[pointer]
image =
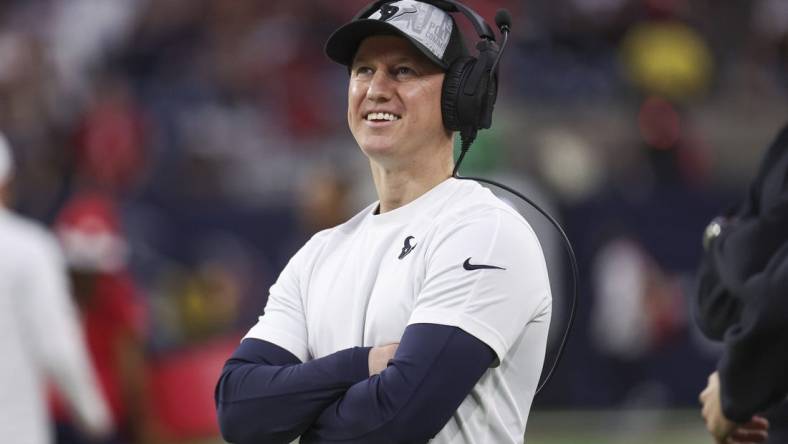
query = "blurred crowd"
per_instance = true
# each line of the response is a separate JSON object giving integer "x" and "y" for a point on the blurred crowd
{"x": 182, "y": 150}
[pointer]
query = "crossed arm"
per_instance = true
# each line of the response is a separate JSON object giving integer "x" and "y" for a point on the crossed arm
{"x": 266, "y": 394}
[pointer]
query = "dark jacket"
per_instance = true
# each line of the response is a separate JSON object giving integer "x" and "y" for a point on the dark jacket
{"x": 743, "y": 292}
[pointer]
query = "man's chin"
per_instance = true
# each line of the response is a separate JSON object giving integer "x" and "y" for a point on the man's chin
{"x": 378, "y": 149}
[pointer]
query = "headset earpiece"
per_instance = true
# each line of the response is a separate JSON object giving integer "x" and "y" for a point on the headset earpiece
{"x": 488, "y": 82}
{"x": 467, "y": 99}
{"x": 450, "y": 94}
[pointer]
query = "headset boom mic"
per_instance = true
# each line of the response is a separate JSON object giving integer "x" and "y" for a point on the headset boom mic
{"x": 504, "y": 20}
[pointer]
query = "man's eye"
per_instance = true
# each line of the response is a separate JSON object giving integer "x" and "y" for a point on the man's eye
{"x": 363, "y": 71}
{"x": 404, "y": 71}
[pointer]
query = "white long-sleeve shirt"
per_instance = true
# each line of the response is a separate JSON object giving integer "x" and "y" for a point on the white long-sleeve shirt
{"x": 40, "y": 337}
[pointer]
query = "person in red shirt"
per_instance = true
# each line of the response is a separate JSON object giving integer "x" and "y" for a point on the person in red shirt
{"x": 89, "y": 230}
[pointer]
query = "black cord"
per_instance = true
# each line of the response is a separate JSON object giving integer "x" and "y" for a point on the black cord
{"x": 467, "y": 139}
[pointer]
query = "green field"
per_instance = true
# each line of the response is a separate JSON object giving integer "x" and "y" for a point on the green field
{"x": 617, "y": 427}
{"x": 604, "y": 427}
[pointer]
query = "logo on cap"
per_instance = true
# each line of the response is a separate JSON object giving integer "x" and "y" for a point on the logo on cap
{"x": 389, "y": 12}
{"x": 424, "y": 23}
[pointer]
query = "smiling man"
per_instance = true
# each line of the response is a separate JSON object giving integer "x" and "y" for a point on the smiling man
{"x": 425, "y": 316}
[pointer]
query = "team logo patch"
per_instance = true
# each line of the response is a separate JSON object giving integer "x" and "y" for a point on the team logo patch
{"x": 407, "y": 248}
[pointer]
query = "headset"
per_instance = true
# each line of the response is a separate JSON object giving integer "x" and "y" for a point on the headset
{"x": 468, "y": 96}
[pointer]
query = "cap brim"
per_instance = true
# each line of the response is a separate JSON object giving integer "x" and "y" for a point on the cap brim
{"x": 341, "y": 47}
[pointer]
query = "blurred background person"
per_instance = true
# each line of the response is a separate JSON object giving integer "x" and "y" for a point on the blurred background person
{"x": 90, "y": 233}
{"x": 40, "y": 335}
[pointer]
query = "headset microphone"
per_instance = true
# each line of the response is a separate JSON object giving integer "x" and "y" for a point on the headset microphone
{"x": 504, "y": 21}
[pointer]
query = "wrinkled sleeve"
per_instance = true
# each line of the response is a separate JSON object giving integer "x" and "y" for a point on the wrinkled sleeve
{"x": 741, "y": 293}
{"x": 743, "y": 249}
{"x": 265, "y": 394}
{"x": 754, "y": 366}
{"x": 433, "y": 370}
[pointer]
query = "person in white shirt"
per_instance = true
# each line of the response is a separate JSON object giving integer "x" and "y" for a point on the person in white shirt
{"x": 40, "y": 336}
{"x": 423, "y": 317}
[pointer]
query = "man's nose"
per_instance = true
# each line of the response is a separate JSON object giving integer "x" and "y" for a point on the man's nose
{"x": 380, "y": 86}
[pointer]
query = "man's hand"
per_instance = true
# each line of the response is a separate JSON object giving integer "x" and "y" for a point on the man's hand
{"x": 379, "y": 357}
{"x": 721, "y": 428}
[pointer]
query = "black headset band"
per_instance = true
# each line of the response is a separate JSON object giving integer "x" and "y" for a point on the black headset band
{"x": 483, "y": 30}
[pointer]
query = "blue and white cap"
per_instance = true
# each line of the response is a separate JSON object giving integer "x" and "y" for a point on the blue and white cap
{"x": 430, "y": 29}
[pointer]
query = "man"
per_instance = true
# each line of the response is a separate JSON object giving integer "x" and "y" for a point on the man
{"x": 423, "y": 317}
{"x": 39, "y": 332}
{"x": 742, "y": 301}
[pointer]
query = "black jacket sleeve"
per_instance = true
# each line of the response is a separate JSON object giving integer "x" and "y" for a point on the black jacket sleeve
{"x": 756, "y": 229}
{"x": 715, "y": 307}
{"x": 741, "y": 295}
{"x": 754, "y": 367}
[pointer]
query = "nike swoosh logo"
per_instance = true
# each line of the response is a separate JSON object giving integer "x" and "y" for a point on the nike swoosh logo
{"x": 469, "y": 266}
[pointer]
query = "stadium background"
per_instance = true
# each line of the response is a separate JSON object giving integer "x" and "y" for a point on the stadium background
{"x": 218, "y": 129}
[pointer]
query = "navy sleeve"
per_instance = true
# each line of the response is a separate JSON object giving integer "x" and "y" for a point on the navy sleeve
{"x": 433, "y": 370}
{"x": 265, "y": 394}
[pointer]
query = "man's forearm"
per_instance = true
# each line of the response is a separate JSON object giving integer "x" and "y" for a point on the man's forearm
{"x": 265, "y": 394}
{"x": 434, "y": 369}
